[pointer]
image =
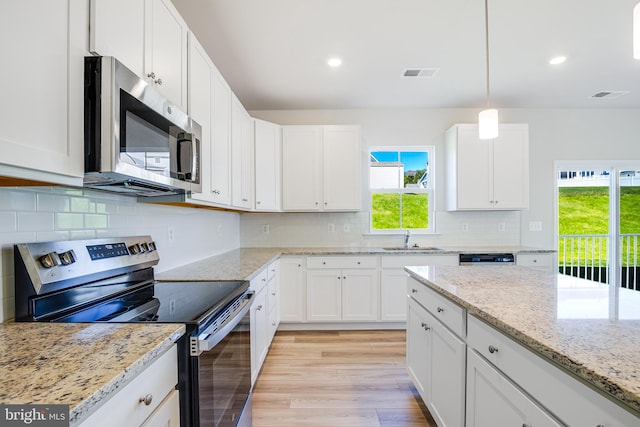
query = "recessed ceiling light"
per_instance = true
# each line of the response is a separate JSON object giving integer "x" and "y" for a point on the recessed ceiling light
{"x": 334, "y": 62}
{"x": 557, "y": 60}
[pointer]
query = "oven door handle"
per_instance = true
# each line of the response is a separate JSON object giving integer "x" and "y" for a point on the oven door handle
{"x": 213, "y": 335}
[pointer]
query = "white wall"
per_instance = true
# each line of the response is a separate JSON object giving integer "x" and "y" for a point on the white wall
{"x": 561, "y": 134}
{"x": 40, "y": 214}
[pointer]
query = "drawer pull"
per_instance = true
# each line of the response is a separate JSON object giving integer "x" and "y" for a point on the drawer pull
{"x": 425, "y": 327}
{"x": 414, "y": 291}
{"x": 493, "y": 349}
{"x": 147, "y": 399}
{"x": 440, "y": 309}
{"x": 258, "y": 308}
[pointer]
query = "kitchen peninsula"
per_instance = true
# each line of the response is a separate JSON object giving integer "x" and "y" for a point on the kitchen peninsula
{"x": 557, "y": 339}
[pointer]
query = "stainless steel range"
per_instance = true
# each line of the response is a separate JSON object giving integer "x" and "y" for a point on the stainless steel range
{"x": 112, "y": 280}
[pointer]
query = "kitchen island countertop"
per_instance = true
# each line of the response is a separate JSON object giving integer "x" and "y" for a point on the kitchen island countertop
{"x": 77, "y": 364}
{"x": 569, "y": 321}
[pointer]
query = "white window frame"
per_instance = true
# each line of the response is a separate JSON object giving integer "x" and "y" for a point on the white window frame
{"x": 429, "y": 189}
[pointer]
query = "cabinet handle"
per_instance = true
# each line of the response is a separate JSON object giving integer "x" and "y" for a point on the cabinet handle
{"x": 258, "y": 202}
{"x": 358, "y": 262}
{"x": 425, "y": 327}
{"x": 245, "y": 200}
{"x": 273, "y": 293}
{"x": 147, "y": 399}
{"x": 414, "y": 291}
{"x": 258, "y": 308}
{"x": 152, "y": 75}
{"x": 215, "y": 191}
{"x": 525, "y": 425}
{"x": 440, "y": 309}
{"x": 493, "y": 349}
{"x": 344, "y": 277}
{"x": 158, "y": 82}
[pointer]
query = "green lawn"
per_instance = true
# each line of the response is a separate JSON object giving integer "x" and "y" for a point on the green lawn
{"x": 385, "y": 213}
{"x": 585, "y": 210}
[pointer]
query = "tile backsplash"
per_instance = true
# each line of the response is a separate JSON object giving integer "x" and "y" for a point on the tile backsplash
{"x": 39, "y": 214}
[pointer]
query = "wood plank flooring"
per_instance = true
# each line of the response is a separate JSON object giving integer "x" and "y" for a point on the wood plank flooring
{"x": 337, "y": 379}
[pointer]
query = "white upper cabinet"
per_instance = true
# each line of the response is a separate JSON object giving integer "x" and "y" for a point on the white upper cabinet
{"x": 200, "y": 109}
{"x": 220, "y": 173}
{"x": 321, "y": 168}
{"x": 242, "y": 165}
{"x": 487, "y": 174}
{"x": 41, "y": 113}
{"x": 150, "y": 39}
{"x": 268, "y": 147}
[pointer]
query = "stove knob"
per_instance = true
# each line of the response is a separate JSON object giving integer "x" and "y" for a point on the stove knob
{"x": 68, "y": 257}
{"x": 50, "y": 260}
{"x": 152, "y": 246}
{"x": 135, "y": 249}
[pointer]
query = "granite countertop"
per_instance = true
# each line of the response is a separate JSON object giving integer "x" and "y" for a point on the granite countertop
{"x": 76, "y": 364}
{"x": 245, "y": 263}
{"x": 571, "y": 322}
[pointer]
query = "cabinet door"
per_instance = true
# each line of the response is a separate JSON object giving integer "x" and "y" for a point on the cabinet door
{"x": 259, "y": 332}
{"x": 418, "y": 349}
{"x": 393, "y": 295}
{"x": 41, "y": 125}
{"x": 200, "y": 109}
{"x": 492, "y": 400}
{"x": 221, "y": 140}
{"x": 268, "y": 170}
{"x": 301, "y": 168}
{"x": 511, "y": 168}
{"x": 167, "y": 414}
{"x": 292, "y": 299}
{"x": 324, "y": 295}
{"x": 448, "y": 361}
{"x": 241, "y": 156}
{"x": 118, "y": 34}
{"x": 360, "y": 295}
{"x": 165, "y": 61}
{"x": 474, "y": 170}
{"x": 342, "y": 168}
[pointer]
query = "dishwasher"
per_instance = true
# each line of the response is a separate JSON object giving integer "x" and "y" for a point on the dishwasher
{"x": 501, "y": 258}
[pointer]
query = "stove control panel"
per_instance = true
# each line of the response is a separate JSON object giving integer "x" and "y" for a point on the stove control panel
{"x": 67, "y": 261}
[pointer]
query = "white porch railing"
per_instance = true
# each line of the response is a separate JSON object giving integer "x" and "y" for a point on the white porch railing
{"x": 585, "y": 255}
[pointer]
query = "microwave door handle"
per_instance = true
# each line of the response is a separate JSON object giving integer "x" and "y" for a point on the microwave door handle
{"x": 185, "y": 152}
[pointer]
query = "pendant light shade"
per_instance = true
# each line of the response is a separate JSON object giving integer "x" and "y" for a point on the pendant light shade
{"x": 488, "y": 123}
{"x": 487, "y": 119}
{"x": 636, "y": 32}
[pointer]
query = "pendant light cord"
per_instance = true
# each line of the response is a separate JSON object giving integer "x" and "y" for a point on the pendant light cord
{"x": 486, "y": 39}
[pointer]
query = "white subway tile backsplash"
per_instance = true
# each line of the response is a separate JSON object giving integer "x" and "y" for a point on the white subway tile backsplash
{"x": 8, "y": 222}
{"x": 69, "y": 221}
{"x": 35, "y": 221}
{"x": 16, "y": 200}
{"x": 96, "y": 221}
{"x": 52, "y": 203}
{"x": 81, "y": 205}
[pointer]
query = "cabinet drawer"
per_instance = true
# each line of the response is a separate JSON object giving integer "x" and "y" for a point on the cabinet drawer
{"x": 342, "y": 262}
{"x": 534, "y": 260}
{"x": 272, "y": 269}
{"x": 573, "y": 402}
{"x": 259, "y": 281}
{"x": 449, "y": 313}
{"x": 125, "y": 408}
{"x": 400, "y": 261}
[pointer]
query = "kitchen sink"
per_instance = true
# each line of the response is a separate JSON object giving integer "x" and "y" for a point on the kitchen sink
{"x": 413, "y": 248}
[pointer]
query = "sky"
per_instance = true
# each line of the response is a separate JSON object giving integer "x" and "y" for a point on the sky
{"x": 413, "y": 160}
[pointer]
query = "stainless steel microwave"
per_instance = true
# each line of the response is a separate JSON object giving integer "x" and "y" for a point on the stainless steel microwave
{"x": 136, "y": 141}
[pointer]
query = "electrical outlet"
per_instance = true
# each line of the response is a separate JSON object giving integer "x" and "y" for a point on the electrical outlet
{"x": 265, "y": 228}
{"x": 535, "y": 225}
{"x": 331, "y": 228}
{"x": 170, "y": 234}
{"x": 465, "y": 227}
{"x": 346, "y": 228}
{"x": 502, "y": 227}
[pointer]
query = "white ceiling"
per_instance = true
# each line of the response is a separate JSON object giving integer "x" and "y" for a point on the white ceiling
{"x": 273, "y": 53}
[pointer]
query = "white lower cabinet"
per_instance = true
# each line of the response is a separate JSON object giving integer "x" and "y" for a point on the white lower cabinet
{"x": 436, "y": 364}
{"x": 493, "y": 400}
{"x": 259, "y": 318}
{"x": 292, "y": 281}
{"x": 349, "y": 293}
{"x": 150, "y": 399}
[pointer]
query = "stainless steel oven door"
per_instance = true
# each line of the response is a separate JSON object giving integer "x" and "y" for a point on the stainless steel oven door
{"x": 224, "y": 371}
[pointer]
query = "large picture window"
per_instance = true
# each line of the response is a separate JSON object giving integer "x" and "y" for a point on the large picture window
{"x": 401, "y": 189}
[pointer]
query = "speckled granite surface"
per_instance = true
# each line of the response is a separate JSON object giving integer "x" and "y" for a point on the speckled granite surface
{"x": 570, "y": 321}
{"x": 245, "y": 263}
{"x": 80, "y": 365}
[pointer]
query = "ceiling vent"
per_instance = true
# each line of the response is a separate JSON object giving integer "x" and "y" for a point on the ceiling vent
{"x": 610, "y": 94}
{"x": 425, "y": 73}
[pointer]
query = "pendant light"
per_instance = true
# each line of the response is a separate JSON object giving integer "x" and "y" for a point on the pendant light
{"x": 487, "y": 119}
{"x": 636, "y": 32}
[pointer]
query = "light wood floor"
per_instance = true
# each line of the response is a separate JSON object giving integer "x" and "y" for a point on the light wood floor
{"x": 337, "y": 379}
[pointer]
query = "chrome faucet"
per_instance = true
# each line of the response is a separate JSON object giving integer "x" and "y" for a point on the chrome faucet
{"x": 406, "y": 239}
